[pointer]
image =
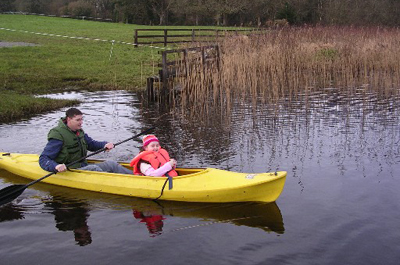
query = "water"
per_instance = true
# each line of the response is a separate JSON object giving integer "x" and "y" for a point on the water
{"x": 340, "y": 204}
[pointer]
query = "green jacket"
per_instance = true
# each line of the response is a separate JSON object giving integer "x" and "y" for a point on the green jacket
{"x": 74, "y": 144}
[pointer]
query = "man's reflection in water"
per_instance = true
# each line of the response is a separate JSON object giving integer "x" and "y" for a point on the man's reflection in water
{"x": 10, "y": 212}
{"x": 154, "y": 222}
{"x": 71, "y": 215}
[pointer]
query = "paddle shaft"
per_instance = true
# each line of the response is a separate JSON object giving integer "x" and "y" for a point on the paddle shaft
{"x": 12, "y": 192}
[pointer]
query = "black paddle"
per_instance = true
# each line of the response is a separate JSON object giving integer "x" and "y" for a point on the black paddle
{"x": 10, "y": 193}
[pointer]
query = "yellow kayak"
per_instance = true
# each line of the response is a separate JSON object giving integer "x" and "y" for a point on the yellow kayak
{"x": 192, "y": 184}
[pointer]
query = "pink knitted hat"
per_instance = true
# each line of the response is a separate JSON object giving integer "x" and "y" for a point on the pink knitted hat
{"x": 148, "y": 139}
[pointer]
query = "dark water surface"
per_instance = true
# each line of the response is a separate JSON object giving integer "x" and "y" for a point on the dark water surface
{"x": 340, "y": 204}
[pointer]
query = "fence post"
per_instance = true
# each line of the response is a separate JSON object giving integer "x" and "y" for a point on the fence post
{"x": 135, "y": 38}
{"x": 185, "y": 61}
{"x": 165, "y": 37}
{"x": 193, "y": 35}
{"x": 150, "y": 89}
{"x": 217, "y": 50}
{"x": 164, "y": 73}
{"x": 203, "y": 60}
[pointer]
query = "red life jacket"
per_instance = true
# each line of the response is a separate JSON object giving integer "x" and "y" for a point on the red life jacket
{"x": 155, "y": 159}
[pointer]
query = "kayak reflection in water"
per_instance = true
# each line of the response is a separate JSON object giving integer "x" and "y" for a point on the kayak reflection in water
{"x": 72, "y": 216}
{"x": 154, "y": 222}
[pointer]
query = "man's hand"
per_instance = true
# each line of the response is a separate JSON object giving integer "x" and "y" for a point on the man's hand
{"x": 109, "y": 146}
{"x": 61, "y": 168}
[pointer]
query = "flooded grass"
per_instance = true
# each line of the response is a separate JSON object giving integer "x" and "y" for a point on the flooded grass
{"x": 294, "y": 61}
{"x": 14, "y": 107}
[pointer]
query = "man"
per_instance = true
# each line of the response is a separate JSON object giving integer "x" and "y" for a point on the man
{"x": 67, "y": 142}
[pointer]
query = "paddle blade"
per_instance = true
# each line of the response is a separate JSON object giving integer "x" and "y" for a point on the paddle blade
{"x": 10, "y": 193}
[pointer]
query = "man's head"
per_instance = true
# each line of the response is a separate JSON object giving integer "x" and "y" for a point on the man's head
{"x": 74, "y": 118}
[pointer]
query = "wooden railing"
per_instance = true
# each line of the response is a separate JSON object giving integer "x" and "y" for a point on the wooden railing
{"x": 166, "y": 36}
{"x": 199, "y": 55}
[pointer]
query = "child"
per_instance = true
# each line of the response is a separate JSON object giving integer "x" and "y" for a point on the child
{"x": 154, "y": 160}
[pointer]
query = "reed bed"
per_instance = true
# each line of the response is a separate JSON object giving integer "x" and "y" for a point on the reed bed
{"x": 290, "y": 62}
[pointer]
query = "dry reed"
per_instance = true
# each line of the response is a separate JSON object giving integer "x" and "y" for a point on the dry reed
{"x": 294, "y": 61}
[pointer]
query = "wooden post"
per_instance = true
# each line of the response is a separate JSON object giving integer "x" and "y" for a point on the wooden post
{"x": 203, "y": 60}
{"x": 135, "y": 37}
{"x": 165, "y": 37}
{"x": 150, "y": 88}
{"x": 164, "y": 73}
{"x": 185, "y": 61}
{"x": 193, "y": 35}
{"x": 217, "y": 50}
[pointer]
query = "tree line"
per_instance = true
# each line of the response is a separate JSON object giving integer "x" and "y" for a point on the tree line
{"x": 257, "y": 13}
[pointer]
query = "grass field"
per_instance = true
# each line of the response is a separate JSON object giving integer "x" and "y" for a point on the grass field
{"x": 61, "y": 63}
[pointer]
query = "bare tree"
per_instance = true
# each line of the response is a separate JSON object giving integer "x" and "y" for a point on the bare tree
{"x": 102, "y": 8}
{"x": 161, "y": 8}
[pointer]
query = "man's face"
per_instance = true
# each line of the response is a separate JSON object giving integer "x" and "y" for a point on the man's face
{"x": 75, "y": 123}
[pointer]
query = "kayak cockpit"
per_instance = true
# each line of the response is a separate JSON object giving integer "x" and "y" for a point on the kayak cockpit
{"x": 181, "y": 171}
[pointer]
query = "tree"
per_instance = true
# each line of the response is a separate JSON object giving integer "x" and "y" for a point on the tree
{"x": 226, "y": 8}
{"x": 132, "y": 11}
{"x": 54, "y": 6}
{"x": 259, "y": 11}
{"x": 161, "y": 8}
{"x": 102, "y": 8}
{"x": 80, "y": 8}
{"x": 222, "y": 12}
{"x": 6, "y": 5}
{"x": 191, "y": 12}
{"x": 287, "y": 12}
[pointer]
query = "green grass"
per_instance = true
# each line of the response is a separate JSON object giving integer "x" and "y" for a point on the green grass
{"x": 327, "y": 53}
{"x": 57, "y": 63}
{"x": 15, "y": 106}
